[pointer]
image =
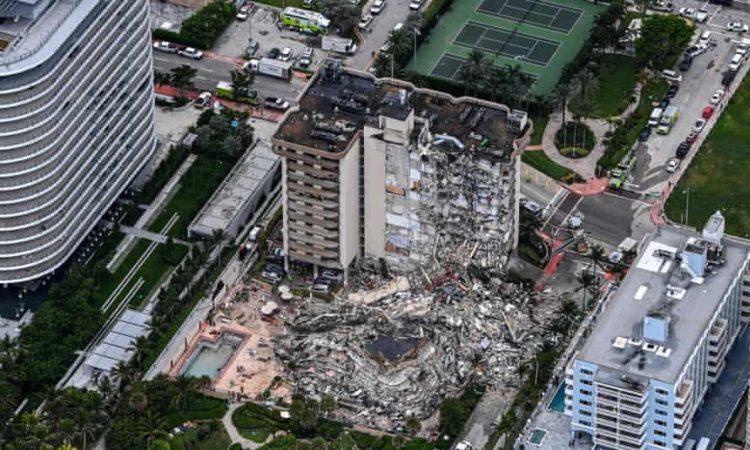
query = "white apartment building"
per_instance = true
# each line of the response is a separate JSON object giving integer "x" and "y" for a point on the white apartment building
{"x": 76, "y": 123}
{"x": 381, "y": 169}
{"x": 661, "y": 341}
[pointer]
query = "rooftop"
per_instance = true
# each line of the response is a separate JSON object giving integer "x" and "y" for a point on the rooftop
{"x": 250, "y": 173}
{"x": 661, "y": 285}
{"x": 338, "y": 103}
{"x": 31, "y": 31}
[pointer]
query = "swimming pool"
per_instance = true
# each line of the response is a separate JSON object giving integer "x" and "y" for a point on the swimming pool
{"x": 537, "y": 437}
{"x": 210, "y": 357}
{"x": 558, "y": 401}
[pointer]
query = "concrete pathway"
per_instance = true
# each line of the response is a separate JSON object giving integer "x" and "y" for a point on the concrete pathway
{"x": 235, "y": 435}
{"x": 585, "y": 166}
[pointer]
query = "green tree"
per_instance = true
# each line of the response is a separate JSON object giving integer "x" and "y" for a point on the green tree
{"x": 343, "y": 13}
{"x": 453, "y": 415}
{"x": 327, "y": 404}
{"x": 304, "y": 416}
{"x": 182, "y": 77}
{"x": 413, "y": 425}
{"x": 241, "y": 83}
{"x": 183, "y": 390}
{"x": 663, "y": 39}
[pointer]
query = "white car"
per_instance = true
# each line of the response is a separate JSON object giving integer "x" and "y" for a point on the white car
{"x": 414, "y": 5}
{"x": 699, "y": 125}
{"x": 464, "y": 445}
{"x": 673, "y": 165}
{"x": 243, "y": 13}
{"x": 203, "y": 100}
{"x": 286, "y": 54}
{"x": 190, "y": 52}
{"x": 687, "y": 12}
{"x": 365, "y": 21}
{"x": 701, "y": 16}
{"x": 736, "y": 62}
{"x": 718, "y": 95}
{"x": 377, "y": 7}
{"x": 165, "y": 47}
{"x": 671, "y": 75}
{"x": 737, "y": 26}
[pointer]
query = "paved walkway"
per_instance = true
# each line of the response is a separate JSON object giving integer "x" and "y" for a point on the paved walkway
{"x": 235, "y": 435}
{"x": 586, "y": 166}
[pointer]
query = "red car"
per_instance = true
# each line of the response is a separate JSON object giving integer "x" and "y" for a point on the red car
{"x": 708, "y": 111}
{"x": 691, "y": 138}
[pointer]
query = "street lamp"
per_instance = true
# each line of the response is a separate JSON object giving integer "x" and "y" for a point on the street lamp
{"x": 416, "y": 33}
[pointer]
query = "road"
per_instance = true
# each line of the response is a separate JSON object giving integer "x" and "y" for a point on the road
{"x": 377, "y": 33}
{"x": 211, "y": 71}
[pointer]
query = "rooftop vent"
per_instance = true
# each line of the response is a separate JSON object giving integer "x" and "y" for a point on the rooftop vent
{"x": 713, "y": 231}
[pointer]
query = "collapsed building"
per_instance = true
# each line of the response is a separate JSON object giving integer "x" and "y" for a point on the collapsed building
{"x": 378, "y": 168}
{"x": 397, "y": 354}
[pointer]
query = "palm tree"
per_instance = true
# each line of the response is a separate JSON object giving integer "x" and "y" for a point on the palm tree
{"x": 473, "y": 71}
{"x": 560, "y": 98}
{"x": 241, "y": 82}
{"x": 151, "y": 427}
{"x": 86, "y": 424}
{"x": 184, "y": 386}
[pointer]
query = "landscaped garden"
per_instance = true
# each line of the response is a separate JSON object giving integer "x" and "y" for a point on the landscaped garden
{"x": 541, "y": 162}
{"x": 717, "y": 178}
{"x": 617, "y": 76}
{"x": 574, "y": 140}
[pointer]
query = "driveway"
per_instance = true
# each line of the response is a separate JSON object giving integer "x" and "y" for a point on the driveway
{"x": 377, "y": 33}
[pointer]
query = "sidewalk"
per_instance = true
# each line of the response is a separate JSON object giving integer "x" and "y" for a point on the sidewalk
{"x": 235, "y": 435}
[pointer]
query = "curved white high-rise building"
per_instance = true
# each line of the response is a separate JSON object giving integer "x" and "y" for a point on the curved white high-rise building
{"x": 76, "y": 122}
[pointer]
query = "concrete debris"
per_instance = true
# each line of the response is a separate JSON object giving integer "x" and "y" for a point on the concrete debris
{"x": 397, "y": 351}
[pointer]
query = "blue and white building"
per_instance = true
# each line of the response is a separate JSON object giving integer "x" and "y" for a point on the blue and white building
{"x": 661, "y": 341}
{"x": 76, "y": 123}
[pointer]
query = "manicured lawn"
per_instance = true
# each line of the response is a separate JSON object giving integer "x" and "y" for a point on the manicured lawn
{"x": 717, "y": 177}
{"x": 575, "y": 135}
{"x": 616, "y": 83}
{"x": 196, "y": 187}
{"x": 540, "y": 123}
{"x": 152, "y": 271}
{"x": 256, "y": 422}
{"x": 541, "y": 162}
{"x": 199, "y": 407}
{"x": 217, "y": 440}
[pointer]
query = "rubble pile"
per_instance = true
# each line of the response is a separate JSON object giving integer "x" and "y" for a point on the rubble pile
{"x": 399, "y": 355}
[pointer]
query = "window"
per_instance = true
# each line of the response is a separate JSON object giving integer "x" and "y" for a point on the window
{"x": 585, "y": 392}
{"x": 585, "y": 413}
{"x": 585, "y": 423}
{"x": 660, "y": 422}
{"x": 660, "y": 443}
{"x": 587, "y": 382}
{"x": 661, "y": 391}
{"x": 659, "y": 433}
{"x": 661, "y": 402}
{"x": 660, "y": 412}
{"x": 587, "y": 372}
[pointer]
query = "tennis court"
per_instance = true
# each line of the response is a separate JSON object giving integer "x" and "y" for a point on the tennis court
{"x": 537, "y": 36}
{"x": 504, "y": 42}
{"x": 534, "y": 12}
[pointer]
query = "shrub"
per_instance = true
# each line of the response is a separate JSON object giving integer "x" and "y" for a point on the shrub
{"x": 202, "y": 28}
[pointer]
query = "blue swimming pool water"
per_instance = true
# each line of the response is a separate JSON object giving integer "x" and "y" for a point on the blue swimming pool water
{"x": 558, "y": 401}
{"x": 209, "y": 360}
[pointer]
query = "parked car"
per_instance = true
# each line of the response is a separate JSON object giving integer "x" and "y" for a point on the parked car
{"x": 273, "y": 277}
{"x": 705, "y": 38}
{"x": 737, "y": 26}
{"x": 696, "y": 50}
{"x": 717, "y": 96}
{"x": 685, "y": 64}
{"x": 692, "y": 137}
{"x": 708, "y": 111}
{"x": 243, "y": 13}
{"x": 672, "y": 91}
{"x": 273, "y": 53}
{"x": 534, "y": 207}
{"x": 671, "y": 75}
{"x": 320, "y": 286}
{"x": 736, "y": 62}
{"x": 673, "y": 165}
{"x": 364, "y": 22}
{"x": 190, "y": 52}
{"x": 699, "y": 125}
{"x": 308, "y": 52}
{"x": 203, "y": 100}
{"x": 414, "y": 5}
{"x": 277, "y": 103}
{"x": 687, "y": 12}
{"x": 286, "y": 54}
{"x": 252, "y": 48}
{"x": 701, "y": 15}
{"x": 660, "y": 5}
{"x": 645, "y": 134}
{"x": 377, "y": 7}
{"x": 332, "y": 275}
{"x": 165, "y": 47}
{"x": 664, "y": 102}
{"x": 682, "y": 150}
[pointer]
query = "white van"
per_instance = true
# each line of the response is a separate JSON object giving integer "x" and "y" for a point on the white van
{"x": 254, "y": 233}
{"x": 736, "y": 62}
{"x": 671, "y": 75}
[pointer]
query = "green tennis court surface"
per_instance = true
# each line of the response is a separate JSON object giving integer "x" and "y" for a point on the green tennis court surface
{"x": 535, "y": 12}
{"x": 540, "y": 36}
{"x": 499, "y": 41}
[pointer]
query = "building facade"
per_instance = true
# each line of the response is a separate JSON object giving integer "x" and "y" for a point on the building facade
{"x": 661, "y": 341}
{"x": 380, "y": 169}
{"x": 76, "y": 123}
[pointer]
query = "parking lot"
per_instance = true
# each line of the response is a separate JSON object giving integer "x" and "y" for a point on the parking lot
{"x": 697, "y": 86}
